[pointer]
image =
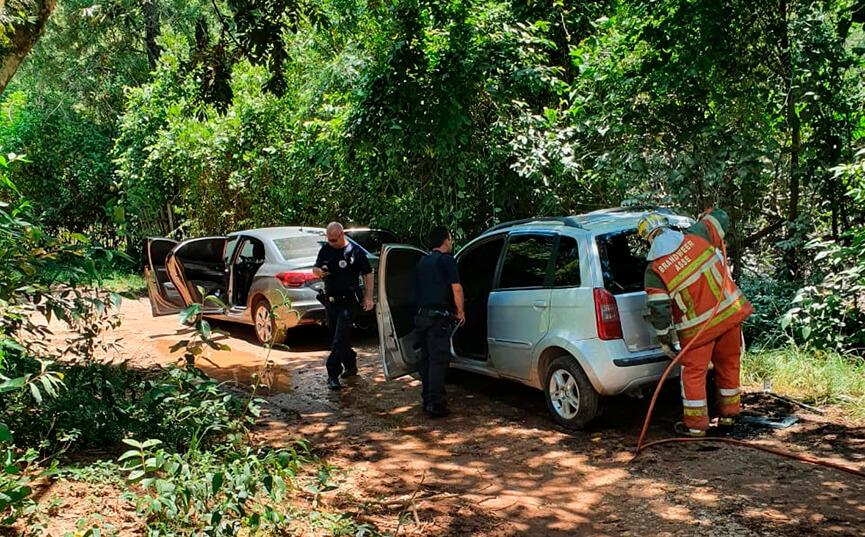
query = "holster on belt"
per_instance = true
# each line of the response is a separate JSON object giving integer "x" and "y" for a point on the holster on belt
{"x": 434, "y": 313}
{"x": 322, "y": 298}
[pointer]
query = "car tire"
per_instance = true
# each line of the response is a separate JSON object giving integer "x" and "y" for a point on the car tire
{"x": 264, "y": 324}
{"x": 571, "y": 398}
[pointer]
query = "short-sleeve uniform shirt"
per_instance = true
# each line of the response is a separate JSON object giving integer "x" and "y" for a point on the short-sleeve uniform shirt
{"x": 345, "y": 266}
{"x": 434, "y": 274}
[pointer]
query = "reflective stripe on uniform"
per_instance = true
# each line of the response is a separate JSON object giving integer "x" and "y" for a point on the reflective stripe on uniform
{"x": 728, "y": 301}
{"x": 728, "y": 396}
{"x": 689, "y": 303}
{"x": 656, "y": 296}
{"x": 693, "y": 402}
{"x": 695, "y": 266}
{"x": 732, "y": 400}
{"x": 693, "y": 276}
{"x": 722, "y": 316}
{"x": 681, "y": 303}
{"x": 713, "y": 278}
{"x": 715, "y": 224}
{"x": 702, "y": 411}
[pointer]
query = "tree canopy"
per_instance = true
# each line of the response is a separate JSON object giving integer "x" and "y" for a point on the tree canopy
{"x": 181, "y": 118}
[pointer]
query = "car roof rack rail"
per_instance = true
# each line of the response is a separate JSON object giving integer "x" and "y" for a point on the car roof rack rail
{"x": 569, "y": 221}
{"x": 635, "y": 209}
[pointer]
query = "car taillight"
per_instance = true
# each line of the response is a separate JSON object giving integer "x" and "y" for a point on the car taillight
{"x": 296, "y": 278}
{"x": 607, "y": 315}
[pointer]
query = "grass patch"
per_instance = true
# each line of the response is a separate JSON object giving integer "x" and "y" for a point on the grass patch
{"x": 123, "y": 282}
{"x": 811, "y": 376}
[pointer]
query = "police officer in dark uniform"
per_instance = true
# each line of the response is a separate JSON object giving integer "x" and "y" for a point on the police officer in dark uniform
{"x": 440, "y": 300}
{"x": 340, "y": 264}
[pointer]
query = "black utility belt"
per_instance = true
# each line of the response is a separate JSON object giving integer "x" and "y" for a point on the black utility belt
{"x": 434, "y": 313}
{"x": 336, "y": 299}
{"x": 340, "y": 298}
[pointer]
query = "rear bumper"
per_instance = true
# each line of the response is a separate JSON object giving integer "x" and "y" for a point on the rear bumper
{"x": 633, "y": 361}
{"x": 613, "y": 370}
{"x": 303, "y": 311}
{"x": 314, "y": 315}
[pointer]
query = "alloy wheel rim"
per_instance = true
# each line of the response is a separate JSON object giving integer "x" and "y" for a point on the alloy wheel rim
{"x": 263, "y": 326}
{"x": 564, "y": 394}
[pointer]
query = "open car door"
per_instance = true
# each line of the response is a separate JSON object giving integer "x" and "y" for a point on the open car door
{"x": 163, "y": 295}
{"x": 197, "y": 269}
{"x": 396, "y": 310}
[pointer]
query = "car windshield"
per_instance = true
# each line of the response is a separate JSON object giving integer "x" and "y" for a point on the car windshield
{"x": 297, "y": 247}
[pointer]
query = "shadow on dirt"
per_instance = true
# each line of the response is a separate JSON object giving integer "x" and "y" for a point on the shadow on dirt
{"x": 307, "y": 338}
{"x": 499, "y": 466}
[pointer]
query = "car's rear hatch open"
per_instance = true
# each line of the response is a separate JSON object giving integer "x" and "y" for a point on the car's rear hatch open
{"x": 623, "y": 264}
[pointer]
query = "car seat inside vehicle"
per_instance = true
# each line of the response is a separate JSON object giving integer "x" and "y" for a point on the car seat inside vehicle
{"x": 477, "y": 269}
{"x": 203, "y": 267}
{"x": 250, "y": 259}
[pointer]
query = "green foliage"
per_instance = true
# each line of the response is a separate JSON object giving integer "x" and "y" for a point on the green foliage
{"x": 230, "y": 487}
{"x": 30, "y": 379}
{"x": 830, "y": 314}
{"x": 215, "y": 492}
{"x": 187, "y": 118}
{"x": 186, "y": 409}
{"x": 771, "y": 299}
{"x": 195, "y": 473}
{"x": 68, "y": 172}
{"x": 403, "y": 115}
{"x": 102, "y": 404}
{"x": 14, "y": 483}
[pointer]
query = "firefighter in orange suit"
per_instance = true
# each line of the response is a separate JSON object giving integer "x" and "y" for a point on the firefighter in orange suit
{"x": 687, "y": 276}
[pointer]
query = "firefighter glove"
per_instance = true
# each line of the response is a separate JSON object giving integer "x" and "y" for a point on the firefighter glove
{"x": 668, "y": 351}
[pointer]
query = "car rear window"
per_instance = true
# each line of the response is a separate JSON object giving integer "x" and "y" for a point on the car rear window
{"x": 623, "y": 261}
{"x": 302, "y": 246}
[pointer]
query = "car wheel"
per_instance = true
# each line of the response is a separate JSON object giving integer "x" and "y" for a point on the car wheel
{"x": 265, "y": 325}
{"x": 571, "y": 399}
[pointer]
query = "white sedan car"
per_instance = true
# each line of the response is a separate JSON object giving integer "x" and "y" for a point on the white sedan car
{"x": 262, "y": 277}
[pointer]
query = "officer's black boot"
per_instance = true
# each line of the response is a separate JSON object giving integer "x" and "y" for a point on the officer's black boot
{"x": 333, "y": 383}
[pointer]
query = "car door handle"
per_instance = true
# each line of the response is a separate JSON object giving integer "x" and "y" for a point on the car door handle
{"x": 539, "y": 304}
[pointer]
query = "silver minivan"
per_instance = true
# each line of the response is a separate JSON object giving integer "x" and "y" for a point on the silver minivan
{"x": 553, "y": 303}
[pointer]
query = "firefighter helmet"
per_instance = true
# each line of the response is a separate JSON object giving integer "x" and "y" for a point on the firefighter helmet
{"x": 650, "y": 223}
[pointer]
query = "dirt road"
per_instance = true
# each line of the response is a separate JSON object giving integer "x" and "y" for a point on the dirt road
{"x": 500, "y": 467}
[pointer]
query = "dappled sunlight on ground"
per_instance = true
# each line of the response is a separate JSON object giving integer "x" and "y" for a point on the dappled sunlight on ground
{"x": 498, "y": 466}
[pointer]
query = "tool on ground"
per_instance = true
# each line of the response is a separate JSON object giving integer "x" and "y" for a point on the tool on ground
{"x": 767, "y": 389}
{"x": 641, "y": 446}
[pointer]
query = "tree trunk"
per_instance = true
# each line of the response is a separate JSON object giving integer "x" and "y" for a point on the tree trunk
{"x": 22, "y": 32}
{"x": 734, "y": 243}
{"x": 151, "y": 32}
{"x": 795, "y": 130}
{"x": 792, "y": 118}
